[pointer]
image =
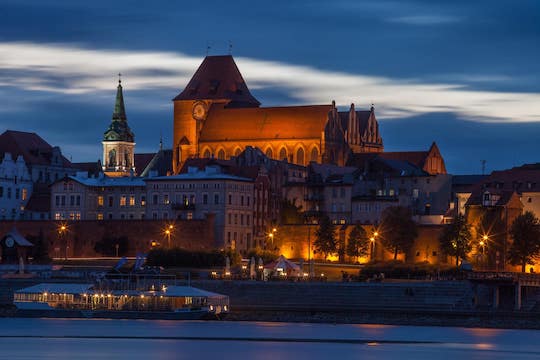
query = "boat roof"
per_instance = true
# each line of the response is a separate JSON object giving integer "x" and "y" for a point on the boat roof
{"x": 181, "y": 291}
{"x": 56, "y": 288}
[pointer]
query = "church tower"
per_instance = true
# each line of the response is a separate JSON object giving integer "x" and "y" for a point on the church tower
{"x": 118, "y": 141}
{"x": 216, "y": 81}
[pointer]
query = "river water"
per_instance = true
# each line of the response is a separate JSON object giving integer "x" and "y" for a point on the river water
{"x": 161, "y": 339}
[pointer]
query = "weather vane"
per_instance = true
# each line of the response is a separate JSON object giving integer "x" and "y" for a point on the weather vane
{"x": 119, "y": 78}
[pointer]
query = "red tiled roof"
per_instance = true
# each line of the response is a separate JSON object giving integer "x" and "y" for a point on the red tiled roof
{"x": 31, "y": 146}
{"x": 293, "y": 122}
{"x": 218, "y": 77}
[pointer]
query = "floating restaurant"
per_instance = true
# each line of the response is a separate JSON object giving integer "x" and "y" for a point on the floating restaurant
{"x": 89, "y": 300}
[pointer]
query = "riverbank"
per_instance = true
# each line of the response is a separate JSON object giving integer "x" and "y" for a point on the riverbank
{"x": 498, "y": 320}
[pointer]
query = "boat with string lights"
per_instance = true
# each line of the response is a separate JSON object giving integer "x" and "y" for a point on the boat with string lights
{"x": 119, "y": 302}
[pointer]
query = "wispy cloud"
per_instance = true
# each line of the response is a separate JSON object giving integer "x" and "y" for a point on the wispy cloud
{"x": 425, "y": 20}
{"x": 70, "y": 69}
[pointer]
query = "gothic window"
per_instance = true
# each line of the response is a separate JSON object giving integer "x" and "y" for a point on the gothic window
{"x": 112, "y": 158}
{"x": 221, "y": 154}
{"x": 300, "y": 156}
{"x": 237, "y": 152}
{"x": 206, "y": 153}
{"x": 283, "y": 154}
{"x": 314, "y": 154}
{"x": 269, "y": 154}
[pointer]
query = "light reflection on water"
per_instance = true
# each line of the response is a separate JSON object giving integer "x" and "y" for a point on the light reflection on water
{"x": 143, "y": 339}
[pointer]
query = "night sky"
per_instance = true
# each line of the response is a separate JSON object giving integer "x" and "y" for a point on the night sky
{"x": 462, "y": 73}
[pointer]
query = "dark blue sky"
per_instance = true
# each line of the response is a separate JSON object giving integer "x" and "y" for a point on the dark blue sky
{"x": 462, "y": 73}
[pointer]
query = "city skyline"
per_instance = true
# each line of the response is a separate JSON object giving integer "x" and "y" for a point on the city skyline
{"x": 434, "y": 72}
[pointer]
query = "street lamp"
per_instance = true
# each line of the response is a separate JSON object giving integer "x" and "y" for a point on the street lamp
{"x": 61, "y": 231}
{"x": 168, "y": 232}
{"x": 373, "y": 240}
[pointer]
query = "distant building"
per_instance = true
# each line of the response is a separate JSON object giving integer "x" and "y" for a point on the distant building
{"x": 98, "y": 198}
{"x": 217, "y": 116}
{"x": 15, "y": 187}
{"x": 45, "y": 163}
{"x": 197, "y": 193}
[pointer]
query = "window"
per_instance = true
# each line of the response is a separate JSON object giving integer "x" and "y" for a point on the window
{"x": 78, "y": 200}
{"x": 166, "y": 199}
{"x": 216, "y": 199}
{"x": 235, "y": 219}
{"x": 247, "y": 219}
{"x": 529, "y": 200}
{"x": 17, "y": 193}
{"x": 230, "y": 219}
{"x": 229, "y": 237}
{"x": 154, "y": 199}
{"x": 342, "y": 192}
{"x": 190, "y": 215}
{"x": 241, "y": 219}
{"x": 165, "y": 215}
{"x": 415, "y": 193}
{"x": 63, "y": 200}
{"x": 9, "y": 193}
{"x": 1, "y": 191}
{"x": 57, "y": 216}
{"x": 100, "y": 216}
{"x": 110, "y": 216}
{"x": 111, "y": 201}
{"x": 132, "y": 200}
{"x": 100, "y": 200}
{"x": 123, "y": 200}
{"x": 154, "y": 215}
{"x": 242, "y": 200}
{"x": 230, "y": 199}
{"x": 57, "y": 200}
{"x": 247, "y": 201}
{"x": 24, "y": 194}
{"x": 143, "y": 200}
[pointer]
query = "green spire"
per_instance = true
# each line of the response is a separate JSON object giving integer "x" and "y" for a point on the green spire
{"x": 118, "y": 129}
{"x": 119, "y": 109}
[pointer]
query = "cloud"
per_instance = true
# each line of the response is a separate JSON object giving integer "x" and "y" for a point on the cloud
{"x": 74, "y": 70}
{"x": 425, "y": 20}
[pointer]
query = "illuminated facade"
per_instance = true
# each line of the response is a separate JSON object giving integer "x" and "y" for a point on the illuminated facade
{"x": 118, "y": 141}
{"x": 216, "y": 116}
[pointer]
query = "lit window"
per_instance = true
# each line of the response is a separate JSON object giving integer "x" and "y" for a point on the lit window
{"x": 190, "y": 216}
{"x": 57, "y": 216}
{"x": 132, "y": 200}
{"x": 166, "y": 199}
{"x": 100, "y": 216}
{"x": 123, "y": 200}
{"x": 100, "y": 200}
{"x": 143, "y": 200}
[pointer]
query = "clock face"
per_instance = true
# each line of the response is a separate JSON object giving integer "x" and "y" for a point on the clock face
{"x": 9, "y": 241}
{"x": 199, "y": 111}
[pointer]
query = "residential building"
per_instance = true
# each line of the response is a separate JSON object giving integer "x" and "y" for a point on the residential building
{"x": 98, "y": 198}
{"x": 15, "y": 187}
{"x": 196, "y": 193}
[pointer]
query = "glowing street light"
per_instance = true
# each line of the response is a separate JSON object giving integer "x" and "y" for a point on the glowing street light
{"x": 168, "y": 232}
{"x": 61, "y": 234}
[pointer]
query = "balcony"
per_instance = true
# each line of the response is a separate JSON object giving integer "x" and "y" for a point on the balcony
{"x": 183, "y": 206}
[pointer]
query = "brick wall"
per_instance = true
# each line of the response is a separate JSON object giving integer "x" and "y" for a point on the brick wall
{"x": 81, "y": 236}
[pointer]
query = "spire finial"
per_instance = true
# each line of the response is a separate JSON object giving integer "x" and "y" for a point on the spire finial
{"x": 230, "y": 47}
{"x": 119, "y": 78}
{"x": 208, "y": 47}
{"x": 160, "y": 141}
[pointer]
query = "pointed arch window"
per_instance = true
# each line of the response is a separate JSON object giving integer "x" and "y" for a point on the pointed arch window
{"x": 206, "y": 153}
{"x": 314, "y": 154}
{"x": 283, "y": 154}
{"x": 221, "y": 154}
{"x": 269, "y": 153}
{"x": 237, "y": 152}
{"x": 300, "y": 156}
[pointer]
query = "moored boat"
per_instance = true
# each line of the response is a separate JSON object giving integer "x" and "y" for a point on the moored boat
{"x": 89, "y": 300}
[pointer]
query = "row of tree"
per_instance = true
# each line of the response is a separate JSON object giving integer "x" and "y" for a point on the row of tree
{"x": 456, "y": 240}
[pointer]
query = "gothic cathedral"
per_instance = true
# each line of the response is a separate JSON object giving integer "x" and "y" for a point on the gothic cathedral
{"x": 217, "y": 116}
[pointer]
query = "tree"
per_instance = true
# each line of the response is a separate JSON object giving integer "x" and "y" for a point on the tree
{"x": 358, "y": 244}
{"x": 455, "y": 240}
{"x": 400, "y": 229}
{"x": 526, "y": 235}
{"x": 325, "y": 241}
